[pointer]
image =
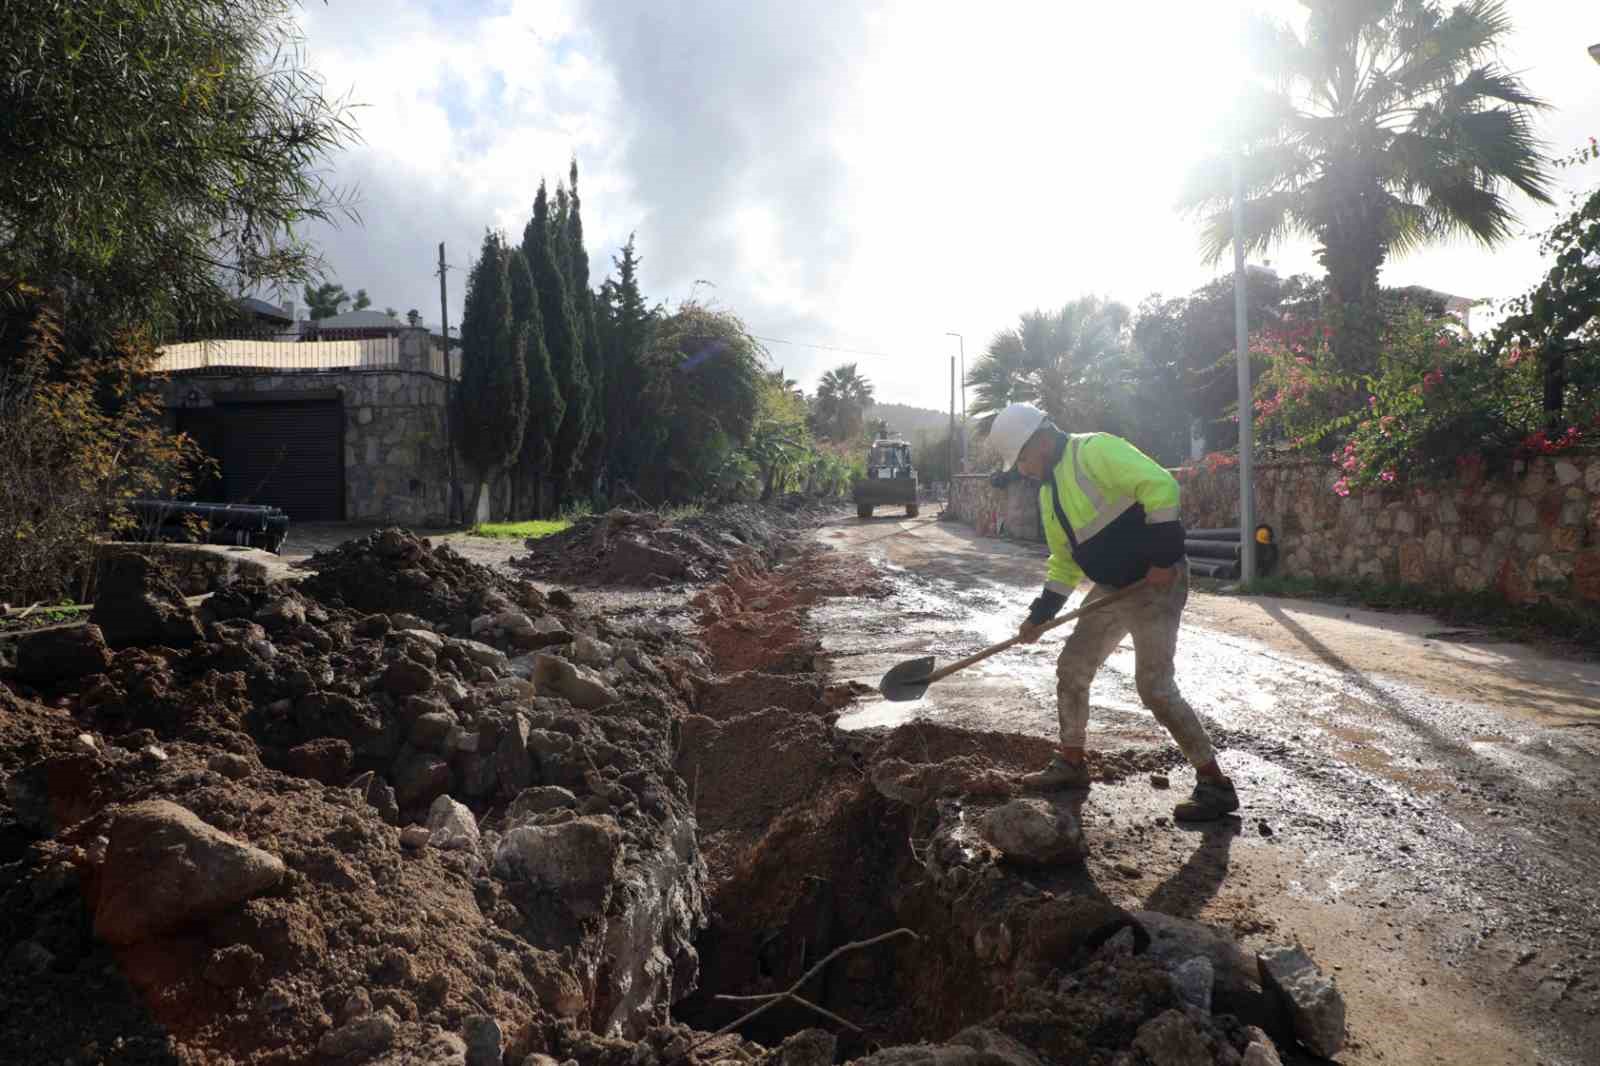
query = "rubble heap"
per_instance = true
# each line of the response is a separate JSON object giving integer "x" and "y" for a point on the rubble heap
{"x": 413, "y": 812}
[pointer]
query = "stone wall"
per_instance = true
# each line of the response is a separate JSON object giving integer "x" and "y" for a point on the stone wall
{"x": 395, "y": 462}
{"x": 1532, "y": 534}
{"x": 1009, "y": 512}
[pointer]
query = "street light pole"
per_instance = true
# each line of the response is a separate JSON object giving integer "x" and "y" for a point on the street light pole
{"x": 1241, "y": 343}
{"x": 962, "y": 341}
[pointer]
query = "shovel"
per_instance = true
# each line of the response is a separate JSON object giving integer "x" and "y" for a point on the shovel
{"x": 910, "y": 679}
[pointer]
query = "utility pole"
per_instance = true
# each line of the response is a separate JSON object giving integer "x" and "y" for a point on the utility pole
{"x": 1241, "y": 347}
{"x": 449, "y": 390}
{"x": 950, "y": 445}
{"x": 962, "y": 341}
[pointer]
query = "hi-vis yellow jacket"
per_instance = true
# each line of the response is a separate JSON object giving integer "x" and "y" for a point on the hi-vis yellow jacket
{"x": 1110, "y": 513}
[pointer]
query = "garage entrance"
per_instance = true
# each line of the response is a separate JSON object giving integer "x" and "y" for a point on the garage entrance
{"x": 274, "y": 450}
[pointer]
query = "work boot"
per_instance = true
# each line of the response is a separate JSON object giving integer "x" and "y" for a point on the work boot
{"x": 1210, "y": 800}
{"x": 1059, "y": 776}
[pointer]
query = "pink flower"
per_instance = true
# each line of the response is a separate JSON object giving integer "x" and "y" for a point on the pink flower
{"x": 1342, "y": 486}
{"x": 1432, "y": 378}
{"x": 1515, "y": 357}
{"x": 1387, "y": 475}
{"x": 1372, "y": 401}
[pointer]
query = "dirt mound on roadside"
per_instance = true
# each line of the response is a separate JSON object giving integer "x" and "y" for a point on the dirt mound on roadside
{"x": 393, "y": 570}
{"x": 646, "y": 549}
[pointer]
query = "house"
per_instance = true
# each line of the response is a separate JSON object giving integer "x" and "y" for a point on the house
{"x": 360, "y": 326}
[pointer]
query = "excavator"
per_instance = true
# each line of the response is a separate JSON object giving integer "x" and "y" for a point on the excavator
{"x": 890, "y": 479}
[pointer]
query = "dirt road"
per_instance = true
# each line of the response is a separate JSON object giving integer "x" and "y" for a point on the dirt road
{"x": 1420, "y": 804}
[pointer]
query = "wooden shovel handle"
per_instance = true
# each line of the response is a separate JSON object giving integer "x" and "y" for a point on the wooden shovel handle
{"x": 1088, "y": 608}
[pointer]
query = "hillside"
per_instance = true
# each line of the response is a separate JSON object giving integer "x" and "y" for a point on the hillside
{"x": 907, "y": 420}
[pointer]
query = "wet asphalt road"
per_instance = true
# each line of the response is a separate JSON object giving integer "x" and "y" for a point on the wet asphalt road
{"x": 1420, "y": 808}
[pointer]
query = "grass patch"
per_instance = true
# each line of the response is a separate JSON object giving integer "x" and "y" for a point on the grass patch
{"x": 1543, "y": 621}
{"x": 522, "y": 530}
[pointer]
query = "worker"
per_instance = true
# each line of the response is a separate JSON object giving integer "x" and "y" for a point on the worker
{"x": 1110, "y": 513}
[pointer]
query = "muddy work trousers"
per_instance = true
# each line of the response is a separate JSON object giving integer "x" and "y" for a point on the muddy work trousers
{"x": 1151, "y": 615}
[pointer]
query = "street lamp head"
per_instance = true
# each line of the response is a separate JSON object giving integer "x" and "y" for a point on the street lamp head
{"x": 1594, "y": 52}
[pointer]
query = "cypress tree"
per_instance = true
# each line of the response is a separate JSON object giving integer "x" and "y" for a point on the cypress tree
{"x": 593, "y": 463}
{"x": 628, "y": 384}
{"x": 540, "y": 243}
{"x": 494, "y": 380}
{"x": 544, "y": 396}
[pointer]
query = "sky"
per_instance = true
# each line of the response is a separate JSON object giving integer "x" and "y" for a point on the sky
{"x": 854, "y": 179}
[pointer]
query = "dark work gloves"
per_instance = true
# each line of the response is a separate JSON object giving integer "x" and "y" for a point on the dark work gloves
{"x": 1046, "y": 607}
{"x": 1164, "y": 543}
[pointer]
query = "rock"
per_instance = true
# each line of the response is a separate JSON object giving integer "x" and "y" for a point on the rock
{"x": 326, "y": 760}
{"x": 514, "y": 624}
{"x": 419, "y": 777}
{"x": 578, "y": 860}
{"x": 363, "y": 1037}
{"x": 1160, "y": 781}
{"x": 482, "y": 1035}
{"x": 165, "y": 867}
{"x": 591, "y": 651}
{"x": 415, "y": 837}
{"x": 1174, "y": 941}
{"x": 1120, "y": 946}
{"x": 808, "y": 1047}
{"x": 373, "y": 626}
{"x": 576, "y": 684}
{"x": 537, "y": 800}
{"x": 452, "y": 825}
{"x": 376, "y": 791}
{"x": 1261, "y": 1052}
{"x": 1192, "y": 982}
{"x": 431, "y": 731}
{"x": 359, "y": 1004}
{"x": 1033, "y": 831}
{"x": 479, "y": 652}
{"x": 1314, "y": 1004}
{"x": 137, "y": 604}
{"x": 406, "y": 678}
{"x": 512, "y": 761}
{"x": 401, "y": 620}
{"x": 1170, "y": 1039}
{"x": 462, "y": 739}
{"x": 978, "y": 1046}
{"x": 281, "y": 615}
{"x": 52, "y": 655}
{"x": 86, "y": 744}
{"x": 549, "y": 625}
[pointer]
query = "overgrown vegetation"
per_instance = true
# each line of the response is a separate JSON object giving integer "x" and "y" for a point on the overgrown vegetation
{"x": 535, "y": 527}
{"x": 79, "y": 437}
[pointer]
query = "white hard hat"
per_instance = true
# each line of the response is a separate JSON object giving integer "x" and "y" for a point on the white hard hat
{"x": 1011, "y": 430}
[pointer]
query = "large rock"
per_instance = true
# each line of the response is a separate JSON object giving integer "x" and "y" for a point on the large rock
{"x": 452, "y": 825}
{"x": 326, "y": 759}
{"x": 1315, "y": 1006}
{"x": 578, "y": 860}
{"x": 537, "y": 800}
{"x": 53, "y": 655}
{"x": 407, "y": 678}
{"x": 1174, "y": 941}
{"x": 420, "y": 776}
{"x": 808, "y": 1047}
{"x": 479, "y": 652}
{"x": 164, "y": 867}
{"x": 1034, "y": 831}
{"x": 577, "y": 685}
{"x": 512, "y": 761}
{"x": 1170, "y": 1039}
{"x": 360, "y": 1039}
{"x": 440, "y": 1049}
{"x": 136, "y": 603}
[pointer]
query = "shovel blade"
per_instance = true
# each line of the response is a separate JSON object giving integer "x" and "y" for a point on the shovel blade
{"x": 907, "y": 681}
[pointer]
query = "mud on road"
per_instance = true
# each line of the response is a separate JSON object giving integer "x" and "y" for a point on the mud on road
{"x": 1419, "y": 802}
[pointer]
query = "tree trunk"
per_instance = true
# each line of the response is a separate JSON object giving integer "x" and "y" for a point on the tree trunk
{"x": 1353, "y": 249}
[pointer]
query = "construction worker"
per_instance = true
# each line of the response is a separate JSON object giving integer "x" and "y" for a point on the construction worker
{"x": 1110, "y": 513}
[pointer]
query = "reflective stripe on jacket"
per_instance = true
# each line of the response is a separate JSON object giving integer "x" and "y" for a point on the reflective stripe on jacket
{"x": 1123, "y": 509}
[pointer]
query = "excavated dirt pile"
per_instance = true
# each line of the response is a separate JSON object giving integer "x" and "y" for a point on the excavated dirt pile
{"x": 322, "y": 832}
{"x": 643, "y": 548}
{"x": 414, "y": 812}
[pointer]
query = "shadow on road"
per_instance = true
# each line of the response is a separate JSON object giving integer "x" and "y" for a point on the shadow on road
{"x": 1197, "y": 881}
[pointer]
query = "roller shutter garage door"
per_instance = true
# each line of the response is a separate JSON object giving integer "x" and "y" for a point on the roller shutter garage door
{"x": 288, "y": 455}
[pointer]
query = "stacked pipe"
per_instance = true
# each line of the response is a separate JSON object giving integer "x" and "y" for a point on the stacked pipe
{"x": 1216, "y": 552}
{"x": 243, "y": 524}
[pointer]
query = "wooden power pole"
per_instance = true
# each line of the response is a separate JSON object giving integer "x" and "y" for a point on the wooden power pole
{"x": 451, "y": 508}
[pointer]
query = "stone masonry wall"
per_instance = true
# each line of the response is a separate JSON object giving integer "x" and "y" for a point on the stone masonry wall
{"x": 395, "y": 464}
{"x": 1009, "y": 512}
{"x": 1534, "y": 534}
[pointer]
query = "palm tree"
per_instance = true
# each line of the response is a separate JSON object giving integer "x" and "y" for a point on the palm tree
{"x": 1389, "y": 126}
{"x": 1072, "y": 363}
{"x": 843, "y": 396}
